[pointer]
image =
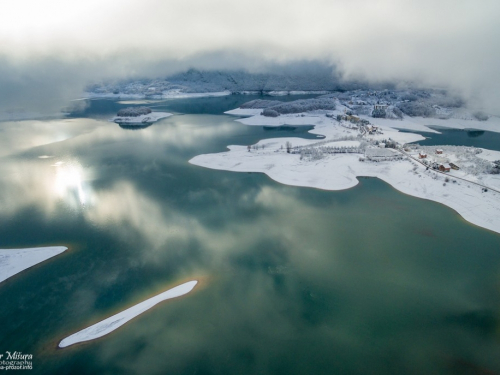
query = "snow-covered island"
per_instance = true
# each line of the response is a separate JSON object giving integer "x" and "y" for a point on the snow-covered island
{"x": 361, "y": 139}
{"x": 13, "y": 261}
{"x": 113, "y": 322}
{"x": 138, "y": 116}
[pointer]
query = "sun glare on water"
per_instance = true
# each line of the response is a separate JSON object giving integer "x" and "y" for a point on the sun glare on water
{"x": 69, "y": 182}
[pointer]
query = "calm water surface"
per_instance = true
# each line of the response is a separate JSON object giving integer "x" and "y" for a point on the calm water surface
{"x": 460, "y": 137}
{"x": 293, "y": 280}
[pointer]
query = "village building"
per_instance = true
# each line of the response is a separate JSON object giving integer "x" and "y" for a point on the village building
{"x": 439, "y": 151}
{"x": 444, "y": 167}
{"x": 454, "y": 166}
{"x": 422, "y": 155}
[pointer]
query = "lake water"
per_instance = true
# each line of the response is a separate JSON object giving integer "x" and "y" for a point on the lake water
{"x": 293, "y": 280}
{"x": 460, "y": 137}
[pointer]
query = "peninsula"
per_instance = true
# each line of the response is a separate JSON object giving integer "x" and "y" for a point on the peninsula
{"x": 13, "y": 261}
{"x": 366, "y": 145}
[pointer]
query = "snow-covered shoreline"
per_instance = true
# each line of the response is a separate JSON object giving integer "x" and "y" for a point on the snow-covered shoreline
{"x": 172, "y": 94}
{"x": 110, "y": 324}
{"x": 179, "y": 94}
{"x": 142, "y": 119}
{"x": 13, "y": 261}
{"x": 252, "y": 117}
{"x": 340, "y": 171}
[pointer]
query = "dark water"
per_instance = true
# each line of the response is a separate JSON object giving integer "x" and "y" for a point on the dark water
{"x": 460, "y": 137}
{"x": 293, "y": 280}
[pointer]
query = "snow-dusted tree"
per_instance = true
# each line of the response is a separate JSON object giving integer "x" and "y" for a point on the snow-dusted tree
{"x": 269, "y": 113}
{"x": 481, "y": 116}
{"x": 417, "y": 109}
{"x": 134, "y": 111}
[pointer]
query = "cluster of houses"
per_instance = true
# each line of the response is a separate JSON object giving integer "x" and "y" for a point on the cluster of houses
{"x": 443, "y": 167}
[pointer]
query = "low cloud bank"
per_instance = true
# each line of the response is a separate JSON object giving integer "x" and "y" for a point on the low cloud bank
{"x": 47, "y": 57}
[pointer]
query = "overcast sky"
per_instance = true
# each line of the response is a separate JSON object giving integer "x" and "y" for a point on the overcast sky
{"x": 55, "y": 46}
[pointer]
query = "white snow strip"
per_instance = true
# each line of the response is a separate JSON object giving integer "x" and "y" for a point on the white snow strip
{"x": 113, "y": 322}
{"x": 178, "y": 94}
{"x": 296, "y": 92}
{"x": 13, "y": 261}
{"x": 407, "y": 123}
{"x": 170, "y": 94}
{"x": 244, "y": 112}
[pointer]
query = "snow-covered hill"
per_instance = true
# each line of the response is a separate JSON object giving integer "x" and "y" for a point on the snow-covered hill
{"x": 317, "y": 81}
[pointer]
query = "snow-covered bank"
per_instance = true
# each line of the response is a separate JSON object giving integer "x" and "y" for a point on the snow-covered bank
{"x": 142, "y": 119}
{"x": 327, "y": 126}
{"x": 422, "y": 124}
{"x": 171, "y": 94}
{"x": 13, "y": 261}
{"x": 112, "y": 323}
{"x": 178, "y": 94}
{"x": 336, "y": 171}
{"x": 253, "y": 117}
{"x": 181, "y": 94}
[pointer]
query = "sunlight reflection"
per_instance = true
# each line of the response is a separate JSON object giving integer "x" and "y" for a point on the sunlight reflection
{"x": 69, "y": 182}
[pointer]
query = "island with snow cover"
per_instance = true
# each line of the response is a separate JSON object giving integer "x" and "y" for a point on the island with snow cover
{"x": 361, "y": 139}
{"x": 13, "y": 261}
{"x": 110, "y": 324}
{"x": 138, "y": 116}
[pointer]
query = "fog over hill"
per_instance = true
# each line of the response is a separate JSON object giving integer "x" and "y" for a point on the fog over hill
{"x": 309, "y": 77}
{"x": 52, "y": 50}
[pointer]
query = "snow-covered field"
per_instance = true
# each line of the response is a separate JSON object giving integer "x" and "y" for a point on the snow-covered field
{"x": 113, "y": 322}
{"x": 141, "y": 120}
{"x": 339, "y": 171}
{"x": 13, "y": 261}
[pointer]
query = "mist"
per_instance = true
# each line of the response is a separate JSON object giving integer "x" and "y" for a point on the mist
{"x": 52, "y": 51}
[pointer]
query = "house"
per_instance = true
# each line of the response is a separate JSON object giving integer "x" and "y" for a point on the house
{"x": 444, "y": 167}
{"x": 439, "y": 151}
{"x": 422, "y": 155}
{"x": 372, "y": 129}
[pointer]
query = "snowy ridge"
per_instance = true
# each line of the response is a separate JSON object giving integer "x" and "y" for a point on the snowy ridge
{"x": 113, "y": 322}
{"x": 14, "y": 261}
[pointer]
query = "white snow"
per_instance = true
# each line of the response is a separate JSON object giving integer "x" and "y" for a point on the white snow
{"x": 113, "y": 322}
{"x": 109, "y": 95}
{"x": 179, "y": 94}
{"x": 13, "y": 261}
{"x": 141, "y": 120}
{"x": 421, "y": 123}
{"x": 244, "y": 112}
{"x": 169, "y": 94}
{"x": 339, "y": 171}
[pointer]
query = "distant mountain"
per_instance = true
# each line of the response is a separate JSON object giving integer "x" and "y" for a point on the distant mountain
{"x": 319, "y": 79}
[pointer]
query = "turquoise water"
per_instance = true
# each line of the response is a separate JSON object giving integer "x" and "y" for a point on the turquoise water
{"x": 293, "y": 280}
{"x": 461, "y": 137}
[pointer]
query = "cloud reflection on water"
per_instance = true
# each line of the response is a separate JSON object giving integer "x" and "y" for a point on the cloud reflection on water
{"x": 302, "y": 280}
